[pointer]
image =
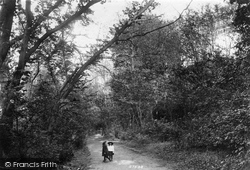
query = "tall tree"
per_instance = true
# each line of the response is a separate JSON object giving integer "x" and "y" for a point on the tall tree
{"x": 7, "y": 12}
{"x": 141, "y": 65}
{"x": 143, "y": 62}
{"x": 242, "y": 25}
{"x": 35, "y": 29}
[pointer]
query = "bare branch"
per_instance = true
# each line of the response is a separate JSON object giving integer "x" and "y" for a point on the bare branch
{"x": 96, "y": 56}
{"x": 84, "y": 9}
{"x": 37, "y": 72}
{"x": 158, "y": 28}
{"x": 106, "y": 68}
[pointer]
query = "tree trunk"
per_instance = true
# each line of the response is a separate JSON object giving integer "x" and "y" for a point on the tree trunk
{"x": 140, "y": 114}
{"x": 6, "y": 21}
{"x": 7, "y": 118}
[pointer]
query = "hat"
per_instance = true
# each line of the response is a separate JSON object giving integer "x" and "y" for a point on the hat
{"x": 110, "y": 143}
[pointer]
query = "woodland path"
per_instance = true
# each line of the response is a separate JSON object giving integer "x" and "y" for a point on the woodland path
{"x": 124, "y": 158}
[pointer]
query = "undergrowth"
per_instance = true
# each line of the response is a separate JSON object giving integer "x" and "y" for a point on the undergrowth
{"x": 80, "y": 161}
{"x": 191, "y": 158}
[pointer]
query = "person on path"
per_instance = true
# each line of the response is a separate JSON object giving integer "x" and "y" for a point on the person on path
{"x": 105, "y": 151}
{"x": 111, "y": 150}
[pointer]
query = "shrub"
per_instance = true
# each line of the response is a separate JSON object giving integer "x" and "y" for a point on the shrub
{"x": 78, "y": 142}
{"x": 228, "y": 130}
{"x": 48, "y": 128}
{"x": 162, "y": 131}
{"x": 141, "y": 139}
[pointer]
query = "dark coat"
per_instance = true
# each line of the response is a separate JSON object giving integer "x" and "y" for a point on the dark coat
{"x": 104, "y": 149}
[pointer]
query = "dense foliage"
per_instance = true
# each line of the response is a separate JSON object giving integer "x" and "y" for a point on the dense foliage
{"x": 177, "y": 84}
{"x": 42, "y": 130}
{"x": 172, "y": 81}
{"x": 46, "y": 104}
{"x": 214, "y": 91}
{"x": 199, "y": 90}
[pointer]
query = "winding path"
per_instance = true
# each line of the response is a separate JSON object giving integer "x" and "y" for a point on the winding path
{"x": 124, "y": 158}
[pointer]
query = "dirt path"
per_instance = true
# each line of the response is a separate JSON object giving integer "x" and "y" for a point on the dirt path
{"x": 124, "y": 158}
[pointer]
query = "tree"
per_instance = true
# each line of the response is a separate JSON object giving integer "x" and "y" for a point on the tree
{"x": 144, "y": 61}
{"x": 6, "y": 21}
{"x": 35, "y": 30}
{"x": 200, "y": 31}
{"x": 214, "y": 93}
{"x": 179, "y": 72}
{"x": 242, "y": 26}
{"x": 141, "y": 65}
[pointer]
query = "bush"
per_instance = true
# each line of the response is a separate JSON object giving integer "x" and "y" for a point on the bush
{"x": 78, "y": 142}
{"x": 162, "y": 131}
{"x": 228, "y": 130}
{"x": 66, "y": 154}
{"x": 141, "y": 139}
{"x": 48, "y": 128}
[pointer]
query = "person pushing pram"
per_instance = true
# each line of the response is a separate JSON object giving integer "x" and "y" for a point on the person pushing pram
{"x": 108, "y": 150}
{"x": 111, "y": 150}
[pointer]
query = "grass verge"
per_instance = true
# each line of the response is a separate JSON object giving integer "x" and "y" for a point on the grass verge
{"x": 190, "y": 159}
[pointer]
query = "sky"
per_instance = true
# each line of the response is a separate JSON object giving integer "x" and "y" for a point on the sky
{"x": 109, "y": 13}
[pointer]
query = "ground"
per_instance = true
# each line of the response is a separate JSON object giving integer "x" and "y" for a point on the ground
{"x": 124, "y": 159}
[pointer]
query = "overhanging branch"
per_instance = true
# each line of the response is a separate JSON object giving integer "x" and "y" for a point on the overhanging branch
{"x": 46, "y": 13}
{"x": 96, "y": 56}
{"x": 158, "y": 28}
{"x": 84, "y": 9}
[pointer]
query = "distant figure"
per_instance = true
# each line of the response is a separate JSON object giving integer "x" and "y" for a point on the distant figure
{"x": 111, "y": 150}
{"x": 105, "y": 152}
